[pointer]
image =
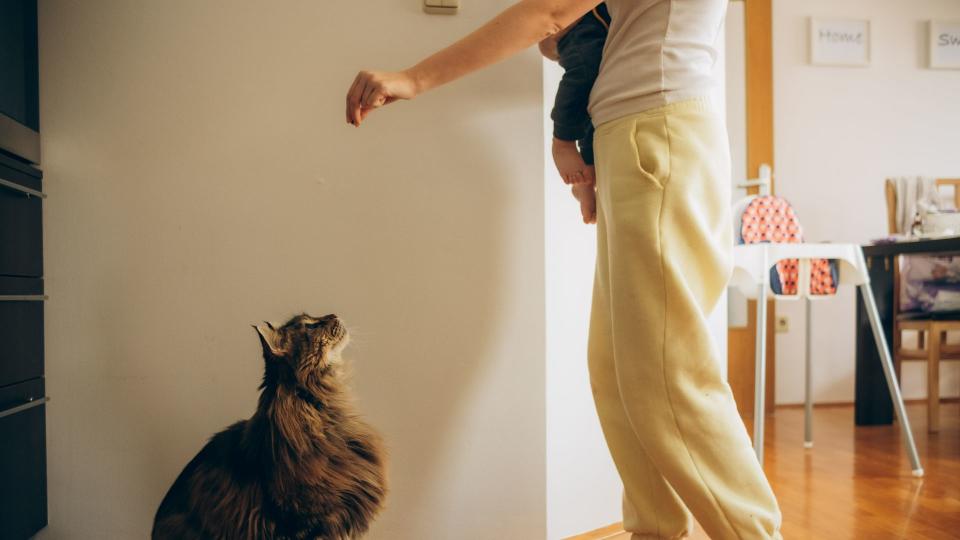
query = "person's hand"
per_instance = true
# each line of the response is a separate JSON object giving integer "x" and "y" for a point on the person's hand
{"x": 548, "y": 48}
{"x": 570, "y": 164}
{"x": 373, "y": 89}
{"x": 586, "y": 194}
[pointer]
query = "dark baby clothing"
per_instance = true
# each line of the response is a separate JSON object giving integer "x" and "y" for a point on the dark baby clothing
{"x": 580, "y": 51}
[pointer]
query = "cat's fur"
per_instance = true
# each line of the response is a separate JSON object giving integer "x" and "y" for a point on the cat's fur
{"x": 304, "y": 466}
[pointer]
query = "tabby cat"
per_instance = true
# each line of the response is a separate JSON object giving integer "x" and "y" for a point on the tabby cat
{"x": 304, "y": 466}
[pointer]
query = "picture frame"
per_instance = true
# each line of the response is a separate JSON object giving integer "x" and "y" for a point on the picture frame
{"x": 943, "y": 44}
{"x": 840, "y": 42}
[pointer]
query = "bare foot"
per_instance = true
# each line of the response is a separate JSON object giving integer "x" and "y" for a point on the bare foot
{"x": 570, "y": 163}
{"x": 587, "y": 196}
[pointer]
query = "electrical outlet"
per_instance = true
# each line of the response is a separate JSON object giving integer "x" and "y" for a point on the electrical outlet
{"x": 783, "y": 324}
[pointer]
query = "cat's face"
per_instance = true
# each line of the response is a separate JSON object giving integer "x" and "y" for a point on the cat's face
{"x": 304, "y": 343}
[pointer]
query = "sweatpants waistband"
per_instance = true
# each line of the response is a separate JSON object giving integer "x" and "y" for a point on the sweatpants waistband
{"x": 703, "y": 104}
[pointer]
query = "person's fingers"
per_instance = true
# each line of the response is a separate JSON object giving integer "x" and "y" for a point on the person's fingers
{"x": 369, "y": 92}
{"x": 566, "y": 179}
{"x": 365, "y": 85}
{"x": 351, "y": 99}
{"x": 377, "y": 98}
{"x": 576, "y": 177}
{"x": 358, "y": 104}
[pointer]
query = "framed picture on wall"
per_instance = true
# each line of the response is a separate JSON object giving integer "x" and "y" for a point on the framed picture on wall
{"x": 944, "y": 51}
{"x": 839, "y": 42}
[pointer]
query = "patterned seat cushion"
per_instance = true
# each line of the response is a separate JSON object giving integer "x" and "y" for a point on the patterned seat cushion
{"x": 772, "y": 219}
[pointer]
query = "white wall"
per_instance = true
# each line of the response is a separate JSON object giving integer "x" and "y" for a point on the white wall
{"x": 583, "y": 489}
{"x": 839, "y": 133}
{"x": 202, "y": 178}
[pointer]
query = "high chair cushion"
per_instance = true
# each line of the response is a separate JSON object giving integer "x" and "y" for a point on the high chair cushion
{"x": 771, "y": 219}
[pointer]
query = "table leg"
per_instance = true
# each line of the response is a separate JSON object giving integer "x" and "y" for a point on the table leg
{"x": 872, "y": 404}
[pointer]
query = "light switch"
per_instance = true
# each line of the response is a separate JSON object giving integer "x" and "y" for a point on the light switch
{"x": 441, "y": 7}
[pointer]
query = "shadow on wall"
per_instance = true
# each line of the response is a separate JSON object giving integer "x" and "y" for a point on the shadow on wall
{"x": 201, "y": 179}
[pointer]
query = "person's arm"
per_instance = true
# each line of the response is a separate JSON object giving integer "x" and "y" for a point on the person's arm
{"x": 518, "y": 27}
{"x": 571, "y": 122}
{"x": 580, "y": 71}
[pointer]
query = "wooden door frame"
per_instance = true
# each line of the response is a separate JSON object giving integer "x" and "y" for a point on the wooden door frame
{"x": 758, "y": 33}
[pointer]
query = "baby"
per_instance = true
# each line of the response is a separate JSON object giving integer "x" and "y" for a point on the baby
{"x": 578, "y": 48}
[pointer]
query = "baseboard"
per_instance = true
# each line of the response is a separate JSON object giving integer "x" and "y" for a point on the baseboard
{"x": 600, "y": 534}
{"x": 834, "y": 404}
{"x": 820, "y": 405}
{"x": 924, "y": 400}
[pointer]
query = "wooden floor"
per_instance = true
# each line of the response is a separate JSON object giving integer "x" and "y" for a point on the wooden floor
{"x": 855, "y": 483}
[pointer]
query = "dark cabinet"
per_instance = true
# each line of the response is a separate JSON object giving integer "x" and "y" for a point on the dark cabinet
{"x": 23, "y": 450}
{"x": 23, "y": 460}
{"x": 23, "y": 447}
{"x": 21, "y": 329}
{"x": 21, "y": 220}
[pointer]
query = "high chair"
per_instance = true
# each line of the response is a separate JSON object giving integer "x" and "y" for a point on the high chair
{"x": 751, "y": 275}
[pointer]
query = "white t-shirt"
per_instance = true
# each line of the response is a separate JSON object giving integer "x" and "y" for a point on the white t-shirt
{"x": 657, "y": 52}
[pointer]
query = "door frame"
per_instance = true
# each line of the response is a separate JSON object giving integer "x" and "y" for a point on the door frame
{"x": 741, "y": 342}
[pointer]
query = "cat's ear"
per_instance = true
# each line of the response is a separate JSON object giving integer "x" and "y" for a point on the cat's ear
{"x": 269, "y": 340}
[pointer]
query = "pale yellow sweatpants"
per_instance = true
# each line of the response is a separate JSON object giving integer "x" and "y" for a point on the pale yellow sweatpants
{"x": 663, "y": 260}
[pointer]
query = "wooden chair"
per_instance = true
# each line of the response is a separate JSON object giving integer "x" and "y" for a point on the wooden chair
{"x": 931, "y": 331}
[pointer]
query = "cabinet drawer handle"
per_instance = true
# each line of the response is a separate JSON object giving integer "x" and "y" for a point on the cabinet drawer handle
{"x": 23, "y": 298}
{"x": 17, "y": 187}
{"x": 23, "y": 407}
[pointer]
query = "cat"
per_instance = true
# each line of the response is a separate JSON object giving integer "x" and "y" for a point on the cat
{"x": 304, "y": 466}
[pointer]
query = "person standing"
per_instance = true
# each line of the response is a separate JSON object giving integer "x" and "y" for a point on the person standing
{"x": 664, "y": 254}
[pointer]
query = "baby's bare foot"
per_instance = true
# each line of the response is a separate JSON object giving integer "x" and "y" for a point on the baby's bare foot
{"x": 587, "y": 196}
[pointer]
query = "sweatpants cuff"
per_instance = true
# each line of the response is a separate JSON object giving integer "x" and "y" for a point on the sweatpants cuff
{"x": 636, "y": 536}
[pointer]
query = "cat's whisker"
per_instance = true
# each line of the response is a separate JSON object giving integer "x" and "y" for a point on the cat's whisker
{"x": 357, "y": 335}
